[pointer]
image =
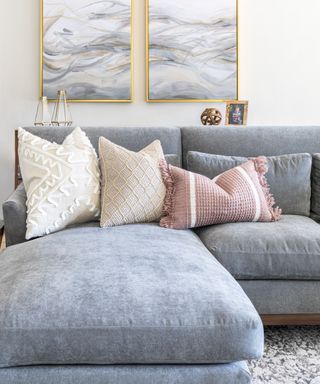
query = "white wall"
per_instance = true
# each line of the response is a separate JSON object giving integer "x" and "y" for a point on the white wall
{"x": 279, "y": 73}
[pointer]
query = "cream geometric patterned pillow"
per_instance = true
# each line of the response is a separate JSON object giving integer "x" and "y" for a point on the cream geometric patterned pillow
{"x": 132, "y": 186}
{"x": 62, "y": 182}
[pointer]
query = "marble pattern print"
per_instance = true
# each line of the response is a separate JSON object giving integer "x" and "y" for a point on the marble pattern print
{"x": 292, "y": 356}
{"x": 192, "y": 49}
{"x": 87, "y": 49}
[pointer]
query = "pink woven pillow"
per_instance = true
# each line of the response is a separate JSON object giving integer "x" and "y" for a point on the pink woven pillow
{"x": 239, "y": 194}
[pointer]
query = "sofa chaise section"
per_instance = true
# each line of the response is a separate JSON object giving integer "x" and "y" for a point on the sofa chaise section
{"x": 136, "y": 294}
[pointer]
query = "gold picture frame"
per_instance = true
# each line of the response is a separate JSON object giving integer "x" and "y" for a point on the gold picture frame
{"x": 236, "y": 112}
{"x": 72, "y": 100}
{"x": 147, "y": 81}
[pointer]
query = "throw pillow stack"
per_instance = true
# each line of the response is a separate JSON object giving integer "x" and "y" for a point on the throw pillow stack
{"x": 62, "y": 183}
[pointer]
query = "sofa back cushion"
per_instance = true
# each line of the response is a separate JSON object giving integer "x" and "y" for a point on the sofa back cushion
{"x": 132, "y": 138}
{"x": 289, "y": 176}
{"x": 251, "y": 141}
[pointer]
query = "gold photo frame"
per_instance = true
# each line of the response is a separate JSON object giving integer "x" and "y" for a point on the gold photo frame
{"x": 103, "y": 89}
{"x": 164, "y": 45}
{"x": 236, "y": 112}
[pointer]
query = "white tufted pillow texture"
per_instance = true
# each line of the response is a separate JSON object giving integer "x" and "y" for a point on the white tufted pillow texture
{"x": 62, "y": 182}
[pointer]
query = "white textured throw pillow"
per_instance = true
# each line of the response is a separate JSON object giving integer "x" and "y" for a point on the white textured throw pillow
{"x": 62, "y": 182}
{"x": 132, "y": 186}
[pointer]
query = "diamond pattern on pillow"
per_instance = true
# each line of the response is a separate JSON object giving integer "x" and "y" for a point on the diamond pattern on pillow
{"x": 132, "y": 186}
{"x": 62, "y": 182}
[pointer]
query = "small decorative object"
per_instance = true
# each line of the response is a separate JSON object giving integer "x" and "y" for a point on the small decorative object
{"x": 86, "y": 49}
{"x": 61, "y": 113}
{"x": 43, "y": 115}
{"x": 236, "y": 112}
{"x": 192, "y": 50}
{"x": 211, "y": 116}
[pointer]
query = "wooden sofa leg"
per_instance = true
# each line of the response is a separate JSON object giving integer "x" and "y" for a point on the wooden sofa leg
{"x": 292, "y": 319}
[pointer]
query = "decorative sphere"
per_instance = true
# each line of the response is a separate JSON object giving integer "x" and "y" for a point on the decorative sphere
{"x": 211, "y": 116}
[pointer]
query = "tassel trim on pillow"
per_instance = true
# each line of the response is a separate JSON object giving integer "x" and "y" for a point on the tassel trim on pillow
{"x": 261, "y": 166}
{"x": 168, "y": 205}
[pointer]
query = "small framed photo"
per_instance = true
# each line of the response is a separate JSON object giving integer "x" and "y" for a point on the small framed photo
{"x": 236, "y": 112}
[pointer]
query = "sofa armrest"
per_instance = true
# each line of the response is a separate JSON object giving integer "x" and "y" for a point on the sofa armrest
{"x": 15, "y": 216}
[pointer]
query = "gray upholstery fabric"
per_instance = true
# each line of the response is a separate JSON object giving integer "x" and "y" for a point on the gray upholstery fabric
{"x": 315, "y": 217}
{"x": 250, "y": 141}
{"x": 271, "y": 297}
{"x": 289, "y": 176}
{"x": 15, "y": 216}
{"x": 211, "y": 165}
{"x": 315, "y": 202}
{"x": 133, "y": 138}
{"x": 174, "y": 160}
{"x": 235, "y": 373}
{"x": 287, "y": 249}
{"x": 128, "y": 294}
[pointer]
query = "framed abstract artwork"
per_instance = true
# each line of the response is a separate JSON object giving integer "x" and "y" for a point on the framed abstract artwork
{"x": 86, "y": 49}
{"x": 191, "y": 50}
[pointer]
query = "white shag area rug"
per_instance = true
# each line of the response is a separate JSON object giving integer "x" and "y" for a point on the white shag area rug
{"x": 292, "y": 356}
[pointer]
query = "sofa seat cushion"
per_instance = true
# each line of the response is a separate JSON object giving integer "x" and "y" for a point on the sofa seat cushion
{"x": 129, "y": 294}
{"x": 287, "y": 249}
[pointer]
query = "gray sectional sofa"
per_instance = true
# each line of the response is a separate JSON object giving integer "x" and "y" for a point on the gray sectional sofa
{"x": 141, "y": 304}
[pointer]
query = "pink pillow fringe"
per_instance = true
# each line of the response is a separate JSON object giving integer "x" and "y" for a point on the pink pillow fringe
{"x": 261, "y": 166}
{"x": 168, "y": 206}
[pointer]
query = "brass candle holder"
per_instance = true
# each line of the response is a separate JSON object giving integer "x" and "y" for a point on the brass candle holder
{"x": 61, "y": 113}
{"x": 43, "y": 116}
